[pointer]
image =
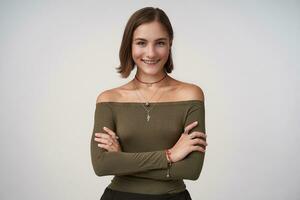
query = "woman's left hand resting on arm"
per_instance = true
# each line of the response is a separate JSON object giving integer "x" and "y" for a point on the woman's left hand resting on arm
{"x": 108, "y": 140}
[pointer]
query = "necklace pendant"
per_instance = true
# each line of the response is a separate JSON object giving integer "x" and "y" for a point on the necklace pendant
{"x": 148, "y": 118}
{"x": 147, "y": 104}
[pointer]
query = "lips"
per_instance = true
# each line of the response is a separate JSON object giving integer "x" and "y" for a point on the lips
{"x": 150, "y": 62}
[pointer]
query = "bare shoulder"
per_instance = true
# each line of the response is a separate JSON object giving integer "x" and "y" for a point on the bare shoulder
{"x": 192, "y": 91}
{"x": 107, "y": 95}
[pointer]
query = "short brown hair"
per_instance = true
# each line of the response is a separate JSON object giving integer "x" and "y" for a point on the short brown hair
{"x": 144, "y": 15}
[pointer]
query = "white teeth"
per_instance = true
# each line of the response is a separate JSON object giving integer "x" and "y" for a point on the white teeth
{"x": 150, "y": 61}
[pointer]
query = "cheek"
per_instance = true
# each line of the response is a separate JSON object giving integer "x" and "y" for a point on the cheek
{"x": 136, "y": 52}
{"x": 164, "y": 52}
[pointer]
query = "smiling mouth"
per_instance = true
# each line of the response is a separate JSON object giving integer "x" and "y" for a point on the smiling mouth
{"x": 150, "y": 62}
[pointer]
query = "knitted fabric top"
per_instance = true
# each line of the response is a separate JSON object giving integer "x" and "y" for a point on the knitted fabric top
{"x": 142, "y": 165}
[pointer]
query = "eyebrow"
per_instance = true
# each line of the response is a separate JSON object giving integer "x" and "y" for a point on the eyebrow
{"x": 146, "y": 40}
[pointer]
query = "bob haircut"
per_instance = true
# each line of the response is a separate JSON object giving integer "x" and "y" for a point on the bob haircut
{"x": 144, "y": 15}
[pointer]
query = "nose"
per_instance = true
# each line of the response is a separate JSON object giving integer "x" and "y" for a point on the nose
{"x": 151, "y": 51}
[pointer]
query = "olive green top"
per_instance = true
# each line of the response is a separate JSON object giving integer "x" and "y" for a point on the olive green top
{"x": 142, "y": 165}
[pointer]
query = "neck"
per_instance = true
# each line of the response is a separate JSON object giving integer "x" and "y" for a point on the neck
{"x": 150, "y": 78}
{"x": 158, "y": 81}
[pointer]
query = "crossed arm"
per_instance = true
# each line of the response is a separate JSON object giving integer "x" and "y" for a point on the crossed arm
{"x": 152, "y": 165}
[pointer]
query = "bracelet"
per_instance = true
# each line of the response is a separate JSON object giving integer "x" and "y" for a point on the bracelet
{"x": 168, "y": 153}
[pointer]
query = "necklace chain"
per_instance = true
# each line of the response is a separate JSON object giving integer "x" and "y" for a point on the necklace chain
{"x": 147, "y": 104}
{"x": 150, "y": 84}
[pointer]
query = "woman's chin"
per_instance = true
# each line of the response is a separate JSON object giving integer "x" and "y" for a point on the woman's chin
{"x": 152, "y": 71}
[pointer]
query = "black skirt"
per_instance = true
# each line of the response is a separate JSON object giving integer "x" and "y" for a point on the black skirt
{"x": 110, "y": 194}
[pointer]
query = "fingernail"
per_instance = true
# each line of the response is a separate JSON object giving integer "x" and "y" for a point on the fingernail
{"x": 104, "y": 127}
{"x": 196, "y": 122}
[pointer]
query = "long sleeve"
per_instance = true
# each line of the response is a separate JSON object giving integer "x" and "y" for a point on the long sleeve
{"x": 120, "y": 163}
{"x": 190, "y": 167}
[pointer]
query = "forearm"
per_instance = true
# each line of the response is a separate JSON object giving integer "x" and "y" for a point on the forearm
{"x": 188, "y": 168}
{"x": 124, "y": 163}
{"x": 191, "y": 166}
{"x": 120, "y": 163}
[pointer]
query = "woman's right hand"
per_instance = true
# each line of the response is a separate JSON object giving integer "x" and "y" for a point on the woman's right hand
{"x": 188, "y": 143}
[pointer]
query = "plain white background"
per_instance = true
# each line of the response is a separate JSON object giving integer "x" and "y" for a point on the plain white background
{"x": 57, "y": 56}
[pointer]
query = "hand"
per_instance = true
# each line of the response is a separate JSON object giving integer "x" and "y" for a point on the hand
{"x": 188, "y": 143}
{"x": 108, "y": 141}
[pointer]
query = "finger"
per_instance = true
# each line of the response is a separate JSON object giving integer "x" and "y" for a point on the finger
{"x": 108, "y": 137}
{"x": 107, "y": 147}
{"x": 104, "y": 146}
{"x": 192, "y": 135}
{"x": 105, "y": 135}
{"x": 195, "y": 134}
{"x": 104, "y": 141}
{"x": 100, "y": 134}
{"x": 198, "y": 148}
{"x": 199, "y": 141}
{"x": 200, "y": 134}
{"x": 97, "y": 139}
{"x": 110, "y": 132}
{"x": 190, "y": 126}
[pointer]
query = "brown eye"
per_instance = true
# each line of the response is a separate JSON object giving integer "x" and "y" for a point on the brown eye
{"x": 140, "y": 43}
{"x": 161, "y": 43}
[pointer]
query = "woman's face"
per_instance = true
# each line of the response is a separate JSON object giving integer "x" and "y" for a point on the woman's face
{"x": 150, "y": 47}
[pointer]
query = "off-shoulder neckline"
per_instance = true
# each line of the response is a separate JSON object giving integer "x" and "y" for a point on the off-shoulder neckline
{"x": 157, "y": 103}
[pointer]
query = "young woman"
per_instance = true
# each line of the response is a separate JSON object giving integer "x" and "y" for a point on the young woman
{"x": 150, "y": 132}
